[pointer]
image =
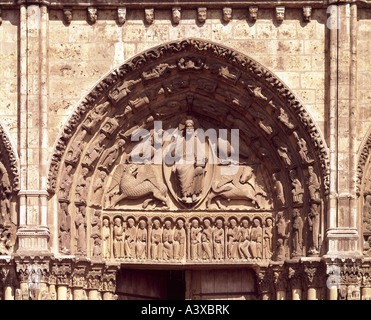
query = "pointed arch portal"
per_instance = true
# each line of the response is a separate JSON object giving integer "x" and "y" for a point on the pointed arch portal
{"x": 111, "y": 208}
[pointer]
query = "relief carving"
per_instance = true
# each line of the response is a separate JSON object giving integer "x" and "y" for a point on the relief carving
{"x": 95, "y": 234}
{"x": 117, "y": 183}
{"x": 176, "y": 14}
{"x": 149, "y": 15}
{"x": 76, "y": 148}
{"x": 283, "y": 151}
{"x": 64, "y": 228}
{"x": 130, "y": 237}
{"x": 218, "y": 239}
{"x": 256, "y": 236}
{"x": 314, "y": 185}
{"x": 156, "y": 240}
{"x": 236, "y": 187}
{"x": 80, "y": 224}
{"x": 133, "y": 184}
{"x": 206, "y": 238}
{"x": 232, "y": 239}
{"x": 195, "y": 235}
{"x": 268, "y": 239}
{"x": 314, "y": 224}
{"x": 118, "y": 238}
{"x": 96, "y": 116}
{"x": 120, "y": 91}
{"x": 303, "y": 149}
{"x": 141, "y": 240}
{"x": 168, "y": 241}
{"x": 244, "y": 240}
{"x": 227, "y": 14}
{"x": 297, "y": 188}
{"x": 201, "y": 14}
{"x": 253, "y": 13}
{"x": 98, "y": 188}
{"x": 106, "y": 239}
{"x": 179, "y": 240}
{"x": 278, "y": 189}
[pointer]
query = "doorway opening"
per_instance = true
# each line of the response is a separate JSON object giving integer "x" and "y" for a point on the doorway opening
{"x": 151, "y": 284}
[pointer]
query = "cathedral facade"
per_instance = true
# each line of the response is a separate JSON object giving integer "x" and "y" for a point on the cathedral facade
{"x": 185, "y": 150}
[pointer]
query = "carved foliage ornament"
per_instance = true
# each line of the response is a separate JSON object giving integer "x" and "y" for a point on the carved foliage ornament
{"x": 160, "y": 52}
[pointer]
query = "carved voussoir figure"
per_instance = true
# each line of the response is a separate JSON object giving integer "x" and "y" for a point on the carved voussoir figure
{"x": 156, "y": 240}
{"x": 232, "y": 239}
{"x": 176, "y": 14}
{"x": 314, "y": 223}
{"x": 297, "y": 233}
{"x": 168, "y": 241}
{"x": 297, "y": 188}
{"x": 195, "y": 237}
{"x": 268, "y": 238}
{"x": 106, "y": 238}
{"x": 98, "y": 188}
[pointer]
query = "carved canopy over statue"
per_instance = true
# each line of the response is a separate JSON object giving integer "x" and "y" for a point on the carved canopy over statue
{"x": 190, "y": 152}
